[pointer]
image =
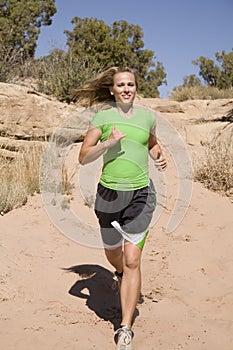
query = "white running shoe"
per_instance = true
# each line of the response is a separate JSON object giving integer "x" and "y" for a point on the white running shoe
{"x": 123, "y": 337}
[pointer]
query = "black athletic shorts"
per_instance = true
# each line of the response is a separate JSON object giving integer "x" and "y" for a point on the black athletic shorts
{"x": 124, "y": 214}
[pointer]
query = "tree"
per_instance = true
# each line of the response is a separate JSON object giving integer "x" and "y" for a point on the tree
{"x": 208, "y": 70}
{"x": 20, "y": 22}
{"x": 191, "y": 81}
{"x": 219, "y": 75}
{"x": 118, "y": 45}
{"x": 90, "y": 37}
{"x": 226, "y": 61}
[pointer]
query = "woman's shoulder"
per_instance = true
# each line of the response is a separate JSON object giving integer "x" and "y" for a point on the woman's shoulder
{"x": 102, "y": 111}
{"x": 147, "y": 113}
{"x": 101, "y": 115}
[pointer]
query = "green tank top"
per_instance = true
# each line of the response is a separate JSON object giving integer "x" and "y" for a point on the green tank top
{"x": 125, "y": 165}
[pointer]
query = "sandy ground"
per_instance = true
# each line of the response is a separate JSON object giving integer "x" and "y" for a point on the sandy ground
{"x": 187, "y": 281}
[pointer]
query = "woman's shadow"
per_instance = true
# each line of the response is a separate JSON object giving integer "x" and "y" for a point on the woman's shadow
{"x": 102, "y": 292}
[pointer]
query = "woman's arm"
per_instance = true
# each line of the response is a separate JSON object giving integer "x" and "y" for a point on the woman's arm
{"x": 91, "y": 149}
{"x": 155, "y": 151}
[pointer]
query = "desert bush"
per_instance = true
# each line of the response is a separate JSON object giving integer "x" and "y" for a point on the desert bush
{"x": 61, "y": 72}
{"x": 181, "y": 93}
{"x": 216, "y": 170}
{"x": 20, "y": 73}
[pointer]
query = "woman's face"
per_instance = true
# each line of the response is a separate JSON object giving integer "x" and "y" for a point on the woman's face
{"x": 124, "y": 87}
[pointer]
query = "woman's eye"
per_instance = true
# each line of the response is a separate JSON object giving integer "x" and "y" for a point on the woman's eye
{"x": 129, "y": 84}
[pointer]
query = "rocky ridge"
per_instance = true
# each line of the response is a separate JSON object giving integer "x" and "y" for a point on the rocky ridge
{"x": 28, "y": 118}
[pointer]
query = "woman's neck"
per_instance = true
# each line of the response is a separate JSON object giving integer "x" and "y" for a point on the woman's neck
{"x": 125, "y": 109}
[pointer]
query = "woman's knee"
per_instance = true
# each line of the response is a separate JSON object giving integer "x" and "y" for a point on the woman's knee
{"x": 132, "y": 255}
{"x": 132, "y": 261}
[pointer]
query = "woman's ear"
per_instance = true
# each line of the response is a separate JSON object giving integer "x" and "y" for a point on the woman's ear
{"x": 111, "y": 92}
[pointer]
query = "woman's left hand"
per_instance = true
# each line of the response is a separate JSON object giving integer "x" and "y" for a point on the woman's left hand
{"x": 161, "y": 163}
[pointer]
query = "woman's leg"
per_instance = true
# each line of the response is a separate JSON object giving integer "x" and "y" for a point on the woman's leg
{"x": 115, "y": 257}
{"x": 131, "y": 282}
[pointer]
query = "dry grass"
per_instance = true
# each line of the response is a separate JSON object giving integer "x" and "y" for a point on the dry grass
{"x": 216, "y": 171}
{"x": 200, "y": 93}
{"x": 67, "y": 177}
{"x": 19, "y": 178}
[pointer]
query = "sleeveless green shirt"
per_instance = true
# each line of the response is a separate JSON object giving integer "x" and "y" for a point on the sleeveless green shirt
{"x": 125, "y": 165}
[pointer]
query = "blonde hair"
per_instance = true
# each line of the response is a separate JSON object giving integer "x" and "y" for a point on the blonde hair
{"x": 97, "y": 90}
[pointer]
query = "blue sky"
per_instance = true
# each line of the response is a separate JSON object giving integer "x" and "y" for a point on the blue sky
{"x": 178, "y": 31}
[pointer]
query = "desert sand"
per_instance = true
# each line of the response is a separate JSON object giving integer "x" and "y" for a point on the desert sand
{"x": 187, "y": 286}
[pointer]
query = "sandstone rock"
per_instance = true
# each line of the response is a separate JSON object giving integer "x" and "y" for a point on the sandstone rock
{"x": 200, "y": 134}
{"x": 74, "y": 128}
{"x": 9, "y": 155}
{"x": 161, "y": 105}
{"x": 226, "y": 133}
{"x": 29, "y": 115}
{"x": 14, "y": 145}
{"x": 26, "y": 115}
{"x": 206, "y": 110}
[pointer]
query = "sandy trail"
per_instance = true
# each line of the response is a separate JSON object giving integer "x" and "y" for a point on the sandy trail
{"x": 187, "y": 281}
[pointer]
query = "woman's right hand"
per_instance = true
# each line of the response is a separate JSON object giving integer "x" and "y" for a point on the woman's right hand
{"x": 114, "y": 137}
{"x": 91, "y": 149}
